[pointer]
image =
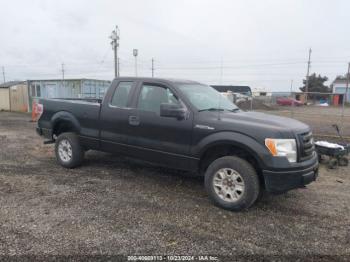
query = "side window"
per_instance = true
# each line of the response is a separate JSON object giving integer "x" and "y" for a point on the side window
{"x": 152, "y": 96}
{"x": 121, "y": 94}
{"x": 38, "y": 91}
{"x": 32, "y": 88}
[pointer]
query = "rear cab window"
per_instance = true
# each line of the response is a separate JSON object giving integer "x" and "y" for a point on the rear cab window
{"x": 121, "y": 94}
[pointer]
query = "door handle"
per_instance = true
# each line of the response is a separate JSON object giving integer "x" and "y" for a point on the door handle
{"x": 134, "y": 120}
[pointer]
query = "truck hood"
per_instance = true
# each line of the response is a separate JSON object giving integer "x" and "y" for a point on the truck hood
{"x": 265, "y": 120}
{"x": 256, "y": 124}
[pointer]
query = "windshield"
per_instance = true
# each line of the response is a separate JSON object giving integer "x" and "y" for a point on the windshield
{"x": 204, "y": 97}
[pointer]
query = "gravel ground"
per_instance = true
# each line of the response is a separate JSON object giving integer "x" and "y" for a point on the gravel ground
{"x": 115, "y": 205}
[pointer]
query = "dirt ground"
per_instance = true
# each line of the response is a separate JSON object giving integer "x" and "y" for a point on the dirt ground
{"x": 115, "y": 205}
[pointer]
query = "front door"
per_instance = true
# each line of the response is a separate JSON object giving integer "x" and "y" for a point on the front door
{"x": 165, "y": 140}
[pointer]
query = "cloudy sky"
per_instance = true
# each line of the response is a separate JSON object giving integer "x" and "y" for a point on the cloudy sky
{"x": 263, "y": 44}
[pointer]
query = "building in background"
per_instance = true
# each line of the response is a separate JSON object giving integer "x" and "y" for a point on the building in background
{"x": 4, "y": 97}
{"x": 243, "y": 90}
{"x": 14, "y": 96}
{"x": 339, "y": 88}
{"x": 68, "y": 88}
{"x": 18, "y": 96}
{"x": 261, "y": 91}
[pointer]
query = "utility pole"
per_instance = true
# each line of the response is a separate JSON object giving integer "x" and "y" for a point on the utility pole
{"x": 118, "y": 66}
{"x": 3, "y": 74}
{"x": 115, "y": 44}
{"x": 152, "y": 67}
{"x": 345, "y": 98}
{"x": 63, "y": 83}
{"x": 307, "y": 75}
{"x": 135, "y": 52}
{"x": 291, "y": 86}
{"x": 221, "y": 71}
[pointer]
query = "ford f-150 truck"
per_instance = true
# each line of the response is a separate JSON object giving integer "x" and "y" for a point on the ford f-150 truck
{"x": 189, "y": 126}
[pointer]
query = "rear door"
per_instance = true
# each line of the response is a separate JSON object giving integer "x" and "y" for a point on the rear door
{"x": 114, "y": 117}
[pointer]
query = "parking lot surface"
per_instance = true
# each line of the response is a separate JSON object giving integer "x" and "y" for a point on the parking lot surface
{"x": 116, "y": 205}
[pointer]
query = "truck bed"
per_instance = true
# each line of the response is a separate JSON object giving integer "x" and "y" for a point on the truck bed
{"x": 86, "y": 113}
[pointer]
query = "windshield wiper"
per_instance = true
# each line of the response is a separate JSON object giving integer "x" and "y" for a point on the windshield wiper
{"x": 219, "y": 109}
{"x": 211, "y": 109}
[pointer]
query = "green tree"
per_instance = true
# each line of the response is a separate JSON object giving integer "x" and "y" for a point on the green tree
{"x": 342, "y": 77}
{"x": 316, "y": 84}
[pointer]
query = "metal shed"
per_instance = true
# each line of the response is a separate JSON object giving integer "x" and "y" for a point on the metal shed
{"x": 14, "y": 96}
{"x": 67, "y": 88}
{"x": 4, "y": 98}
{"x": 19, "y": 97}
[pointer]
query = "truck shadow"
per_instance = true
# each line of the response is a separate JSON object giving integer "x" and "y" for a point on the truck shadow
{"x": 109, "y": 161}
{"x": 151, "y": 175}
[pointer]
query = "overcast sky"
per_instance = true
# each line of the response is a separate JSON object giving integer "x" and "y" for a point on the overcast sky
{"x": 263, "y": 44}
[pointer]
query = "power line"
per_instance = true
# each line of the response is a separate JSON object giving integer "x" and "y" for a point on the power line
{"x": 91, "y": 63}
{"x": 226, "y": 67}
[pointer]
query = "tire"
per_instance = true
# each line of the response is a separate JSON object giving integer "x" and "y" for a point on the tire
{"x": 332, "y": 163}
{"x": 68, "y": 150}
{"x": 343, "y": 161}
{"x": 237, "y": 173}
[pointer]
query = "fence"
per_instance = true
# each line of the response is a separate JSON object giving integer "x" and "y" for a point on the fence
{"x": 319, "y": 110}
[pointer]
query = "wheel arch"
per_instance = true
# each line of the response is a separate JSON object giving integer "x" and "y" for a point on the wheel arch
{"x": 64, "y": 121}
{"x": 228, "y": 143}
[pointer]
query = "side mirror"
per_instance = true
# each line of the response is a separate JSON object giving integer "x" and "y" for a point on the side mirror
{"x": 171, "y": 110}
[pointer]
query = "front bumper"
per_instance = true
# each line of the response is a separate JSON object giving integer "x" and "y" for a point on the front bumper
{"x": 283, "y": 180}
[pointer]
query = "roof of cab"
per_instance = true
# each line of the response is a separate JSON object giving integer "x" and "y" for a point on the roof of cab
{"x": 166, "y": 80}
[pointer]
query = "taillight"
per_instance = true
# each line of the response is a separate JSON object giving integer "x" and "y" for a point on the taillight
{"x": 39, "y": 110}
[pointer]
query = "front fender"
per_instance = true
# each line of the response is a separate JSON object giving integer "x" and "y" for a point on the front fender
{"x": 256, "y": 149}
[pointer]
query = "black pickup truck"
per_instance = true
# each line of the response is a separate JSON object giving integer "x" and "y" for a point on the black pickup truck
{"x": 189, "y": 126}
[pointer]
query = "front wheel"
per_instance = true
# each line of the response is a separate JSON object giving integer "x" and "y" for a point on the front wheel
{"x": 69, "y": 152}
{"x": 232, "y": 183}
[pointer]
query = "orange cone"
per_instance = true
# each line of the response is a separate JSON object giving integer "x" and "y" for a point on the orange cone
{"x": 34, "y": 111}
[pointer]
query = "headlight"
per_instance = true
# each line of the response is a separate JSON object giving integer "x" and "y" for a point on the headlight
{"x": 282, "y": 147}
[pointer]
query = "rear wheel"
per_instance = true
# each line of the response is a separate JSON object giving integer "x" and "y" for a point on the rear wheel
{"x": 69, "y": 152}
{"x": 232, "y": 183}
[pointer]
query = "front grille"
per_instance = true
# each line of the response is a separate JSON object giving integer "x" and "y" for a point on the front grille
{"x": 306, "y": 145}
